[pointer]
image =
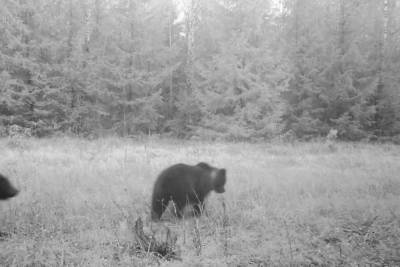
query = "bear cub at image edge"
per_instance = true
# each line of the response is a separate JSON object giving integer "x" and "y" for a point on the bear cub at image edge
{"x": 186, "y": 184}
{"x": 7, "y": 190}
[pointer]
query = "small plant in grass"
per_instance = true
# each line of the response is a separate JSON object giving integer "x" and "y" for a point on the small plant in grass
{"x": 148, "y": 243}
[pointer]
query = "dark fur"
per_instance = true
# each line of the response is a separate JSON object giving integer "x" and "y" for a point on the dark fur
{"x": 7, "y": 190}
{"x": 186, "y": 184}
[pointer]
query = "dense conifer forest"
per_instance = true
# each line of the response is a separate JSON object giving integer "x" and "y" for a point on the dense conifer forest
{"x": 228, "y": 69}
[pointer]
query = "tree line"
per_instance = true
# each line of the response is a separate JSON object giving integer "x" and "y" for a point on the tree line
{"x": 230, "y": 69}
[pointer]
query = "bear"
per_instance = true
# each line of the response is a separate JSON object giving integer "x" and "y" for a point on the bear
{"x": 7, "y": 190}
{"x": 186, "y": 184}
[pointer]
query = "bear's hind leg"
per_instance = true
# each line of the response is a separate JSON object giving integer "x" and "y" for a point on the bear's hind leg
{"x": 199, "y": 209}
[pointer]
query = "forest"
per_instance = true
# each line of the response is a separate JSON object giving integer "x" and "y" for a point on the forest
{"x": 210, "y": 69}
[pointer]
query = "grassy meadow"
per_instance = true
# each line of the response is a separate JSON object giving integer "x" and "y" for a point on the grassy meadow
{"x": 286, "y": 204}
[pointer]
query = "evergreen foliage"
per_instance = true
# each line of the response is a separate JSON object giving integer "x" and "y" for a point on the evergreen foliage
{"x": 242, "y": 70}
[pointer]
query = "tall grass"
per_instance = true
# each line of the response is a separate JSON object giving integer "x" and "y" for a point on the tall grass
{"x": 285, "y": 205}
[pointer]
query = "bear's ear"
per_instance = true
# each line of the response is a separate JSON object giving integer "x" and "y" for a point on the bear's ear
{"x": 204, "y": 166}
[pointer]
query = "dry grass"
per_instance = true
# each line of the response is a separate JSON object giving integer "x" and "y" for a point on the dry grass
{"x": 286, "y": 205}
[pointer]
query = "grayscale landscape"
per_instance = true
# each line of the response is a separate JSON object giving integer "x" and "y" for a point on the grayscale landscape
{"x": 282, "y": 116}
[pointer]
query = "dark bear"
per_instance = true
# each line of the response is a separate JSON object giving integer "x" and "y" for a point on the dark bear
{"x": 186, "y": 184}
{"x": 7, "y": 190}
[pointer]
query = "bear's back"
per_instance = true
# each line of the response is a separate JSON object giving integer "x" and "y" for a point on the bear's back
{"x": 178, "y": 178}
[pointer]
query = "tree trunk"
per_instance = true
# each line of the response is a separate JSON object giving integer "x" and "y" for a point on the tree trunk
{"x": 342, "y": 27}
{"x": 192, "y": 16}
{"x": 171, "y": 93}
{"x": 70, "y": 28}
